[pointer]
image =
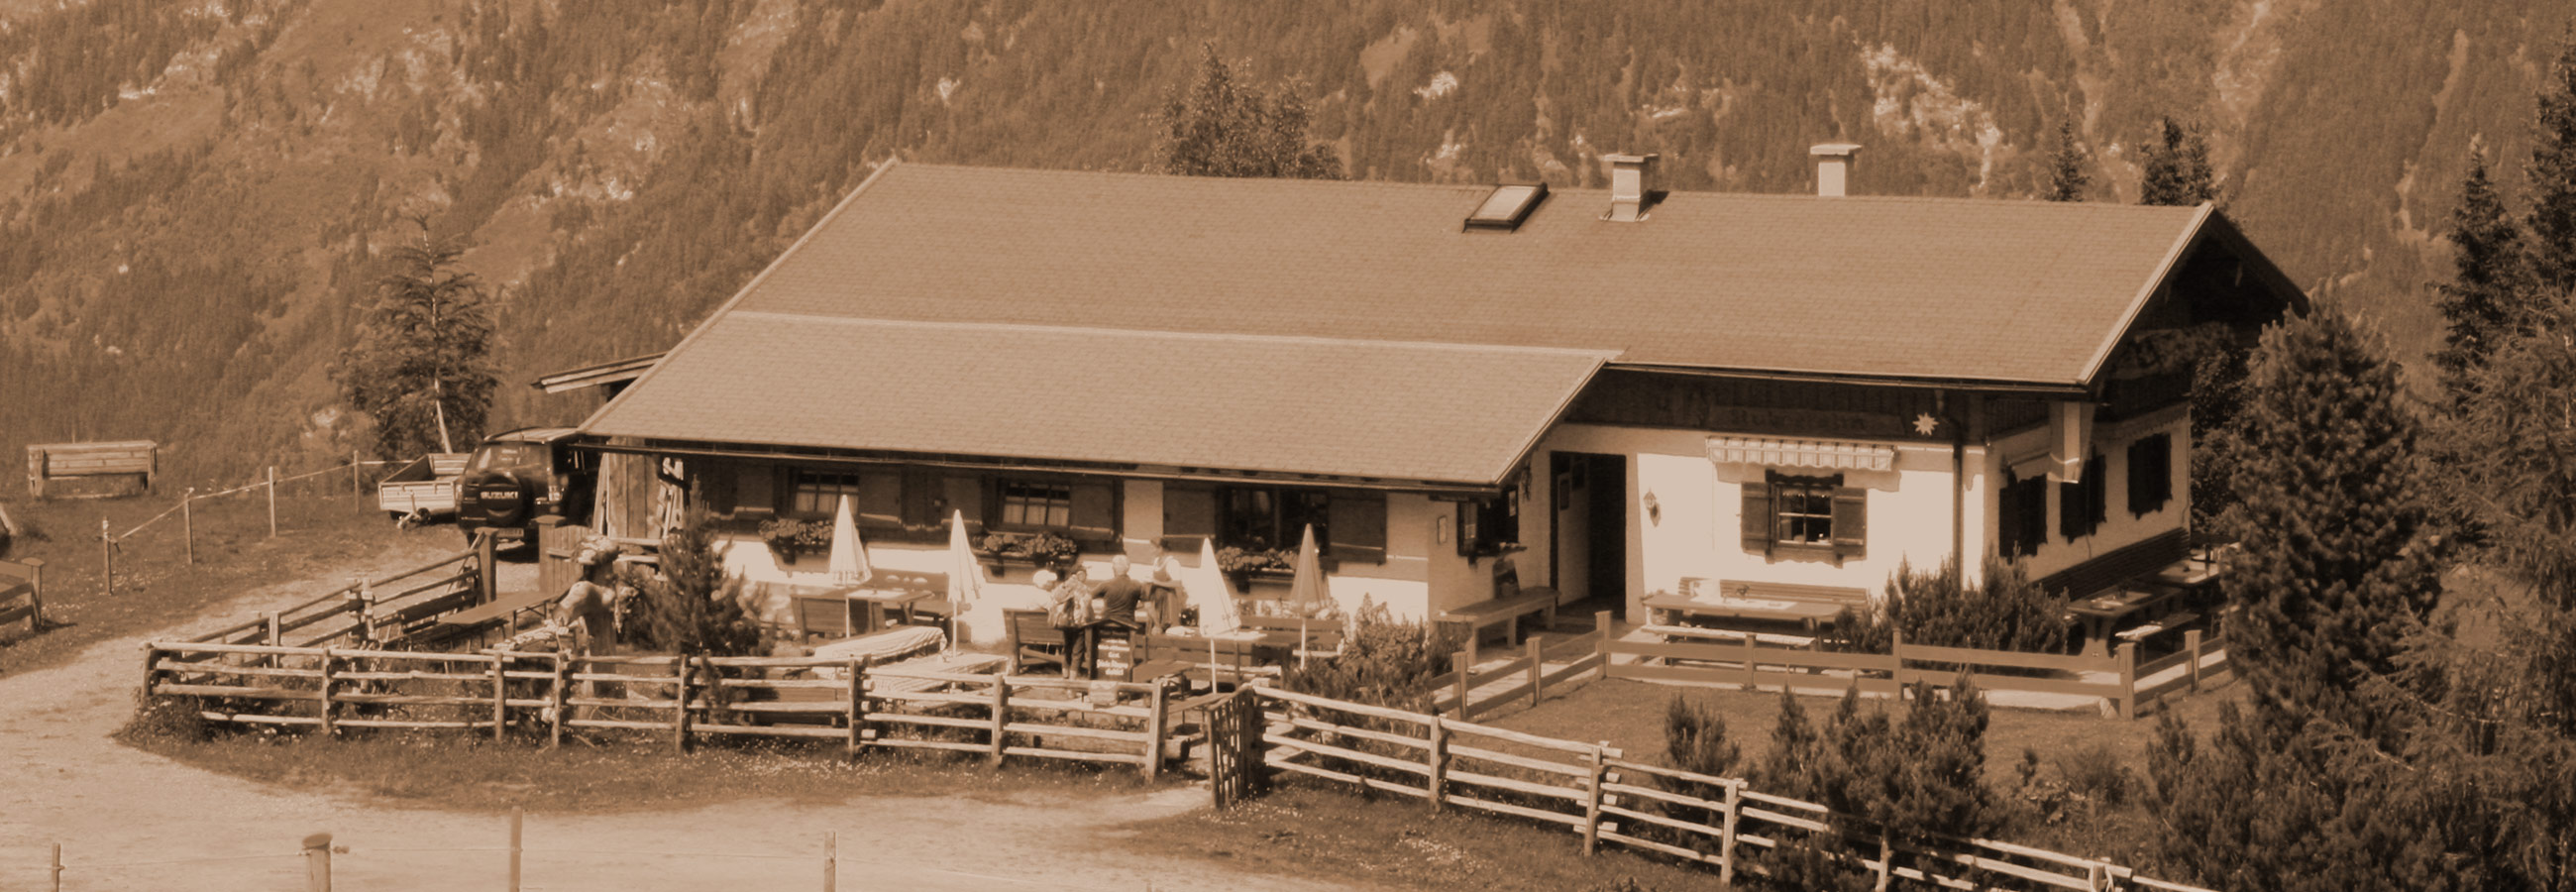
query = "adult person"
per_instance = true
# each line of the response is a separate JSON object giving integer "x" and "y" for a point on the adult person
{"x": 1121, "y": 592}
{"x": 589, "y": 606}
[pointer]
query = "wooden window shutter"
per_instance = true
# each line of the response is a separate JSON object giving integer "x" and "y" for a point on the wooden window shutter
{"x": 2097, "y": 493}
{"x": 964, "y": 494}
{"x": 1468, "y": 515}
{"x": 2150, "y": 474}
{"x": 2070, "y": 510}
{"x": 1358, "y": 522}
{"x": 1851, "y": 521}
{"x": 921, "y": 491}
{"x": 1758, "y": 519}
{"x": 1095, "y": 510}
{"x": 879, "y": 502}
{"x": 715, "y": 484}
{"x": 1189, "y": 512}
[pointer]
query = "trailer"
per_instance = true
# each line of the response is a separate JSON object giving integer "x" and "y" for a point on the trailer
{"x": 422, "y": 490}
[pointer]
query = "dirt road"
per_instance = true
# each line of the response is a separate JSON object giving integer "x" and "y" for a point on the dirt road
{"x": 62, "y": 780}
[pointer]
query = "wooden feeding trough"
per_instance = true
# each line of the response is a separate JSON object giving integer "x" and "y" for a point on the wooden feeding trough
{"x": 91, "y": 470}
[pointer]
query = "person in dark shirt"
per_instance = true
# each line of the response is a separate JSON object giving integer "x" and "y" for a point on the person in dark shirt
{"x": 1121, "y": 592}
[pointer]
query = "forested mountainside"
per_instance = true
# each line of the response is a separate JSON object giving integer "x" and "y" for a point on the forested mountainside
{"x": 196, "y": 196}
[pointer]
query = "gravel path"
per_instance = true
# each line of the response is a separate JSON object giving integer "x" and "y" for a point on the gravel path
{"x": 62, "y": 780}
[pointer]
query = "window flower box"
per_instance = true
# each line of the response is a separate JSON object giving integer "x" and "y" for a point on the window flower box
{"x": 789, "y": 538}
{"x": 1045, "y": 550}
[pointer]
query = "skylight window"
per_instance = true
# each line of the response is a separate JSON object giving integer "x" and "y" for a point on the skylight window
{"x": 1507, "y": 206}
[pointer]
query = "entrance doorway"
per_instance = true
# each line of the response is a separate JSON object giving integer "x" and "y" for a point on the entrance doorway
{"x": 1590, "y": 498}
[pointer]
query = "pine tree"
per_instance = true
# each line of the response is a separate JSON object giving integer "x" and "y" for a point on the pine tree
{"x": 2340, "y": 557}
{"x": 1222, "y": 127}
{"x": 2067, "y": 180}
{"x": 2553, "y": 174}
{"x": 694, "y": 606}
{"x": 422, "y": 367}
{"x": 2177, "y": 163}
{"x": 2489, "y": 298}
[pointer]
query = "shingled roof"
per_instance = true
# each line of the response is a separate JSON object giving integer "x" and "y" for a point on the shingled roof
{"x": 1246, "y": 276}
{"x": 1949, "y": 289}
{"x": 1408, "y": 412}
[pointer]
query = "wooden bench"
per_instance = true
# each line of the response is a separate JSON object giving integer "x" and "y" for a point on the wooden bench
{"x": 1321, "y": 637}
{"x": 1035, "y": 641}
{"x": 134, "y": 459}
{"x": 1506, "y": 612}
{"x": 2136, "y": 634}
{"x": 22, "y": 594}
{"x": 1744, "y": 589}
{"x": 1704, "y": 633}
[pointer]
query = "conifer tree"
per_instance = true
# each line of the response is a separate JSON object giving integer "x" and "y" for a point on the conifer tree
{"x": 694, "y": 606}
{"x": 1223, "y": 127}
{"x": 2177, "y": 163}
{"x": 2489, "y": 298}
{"x": 2337, "y": 529}
{"x": 422, "y": 367}
{"x": 2553, "y": 174}
{"x": 2067, "y": 180}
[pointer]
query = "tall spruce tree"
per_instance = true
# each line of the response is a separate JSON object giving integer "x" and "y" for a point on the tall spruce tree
{"x": 2553, "y": 174}
{"x": 1223, "y": 127}
{"x": 2340, "y": 549}
{"x": 2491, "y": 294}
{"x": 422, "y": 366}
{"x": 2177, "y": 163}
{"x": 2067, "y": 180}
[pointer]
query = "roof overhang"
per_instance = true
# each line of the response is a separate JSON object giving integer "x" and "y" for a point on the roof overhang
{"x": 1103, "y": 401}
{"x": 588, "y": 376}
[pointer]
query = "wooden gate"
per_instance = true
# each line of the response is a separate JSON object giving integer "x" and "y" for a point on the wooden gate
{"x": 1236, "y": 771}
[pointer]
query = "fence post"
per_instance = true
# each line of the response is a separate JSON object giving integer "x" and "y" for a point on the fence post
{"x": 317, "y": 862}
{"x": 356, "y": 489}
{"x": 1537, "y": 669}
{"x": 1602, "y": 623}
{"x": 272, "y": 501}
{"x": 484, "y": 592}
{"x": 1886, "y": 862}
{"x": 1592, "y": 809}
{"x": 329, "y": 723}
{"x": 1155, "y": 728}
{"x": 514, "y": 848}
{"x": 858, "y": 705}
{"x": 58, "y": 867}
{"x": 680, "y": 707}
{"x": 1726, "y": 841}
{"x": 35, "y": 594}
{"x": 1752, "y": 682}
{"x": 1439, "y": 758}
{"x": 2128, "y": 679}
{"x": 831, "y": 861}
{"x": 2191, "y": 645}
{"x": 275, "y": 631}
{"x": 1001, "y": 716}
{"x": 1464, "y": 664}
{"x": 500, "y": 697}
{"x": 107, "y": 557}
{"x": 151, "y": 667}
{"x": 188, "y": 524}
{"x": 555, "y": 716}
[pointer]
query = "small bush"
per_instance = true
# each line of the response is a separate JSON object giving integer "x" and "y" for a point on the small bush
{"x": 693, "y": 606}
{"x": 1695, "y": 738}
{"x": 168, "y": 719}
{"x": 2005, "y": 611}
{"x": 1384, "y": 662}
{"x": 2096, "y": 773}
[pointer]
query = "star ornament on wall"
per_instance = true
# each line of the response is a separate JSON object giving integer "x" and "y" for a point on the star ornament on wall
{"x": 1925, "y": 424}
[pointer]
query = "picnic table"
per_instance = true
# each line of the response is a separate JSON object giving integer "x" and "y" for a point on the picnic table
{"x": 1504, "y": 611}
{"x": 2103, "y": 612}
{"x": 1671, "y": 615}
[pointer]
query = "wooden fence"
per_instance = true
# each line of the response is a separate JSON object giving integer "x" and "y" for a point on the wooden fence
{"x": 543, "y": 695}
{"x": 378, "y": 611}
{"x": 2120, "y": 679}
{"x": 1466, "y": 691}
{"x": 1593, "y": 790}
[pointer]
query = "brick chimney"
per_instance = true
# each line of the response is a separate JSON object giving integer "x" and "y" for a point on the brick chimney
{"x": 1833, "y": 167}
{"x": 1632, "y": 186}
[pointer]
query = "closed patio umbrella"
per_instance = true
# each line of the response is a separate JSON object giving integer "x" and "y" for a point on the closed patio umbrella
{"x": 965, "y": 580}
{"x": 849, "y": 563}
{"x": 1209, "y": 592}
{"x": 1306, "y": 592}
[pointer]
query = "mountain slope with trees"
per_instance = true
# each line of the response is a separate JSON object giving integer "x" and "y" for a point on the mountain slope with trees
{"x": 195, "y": 205}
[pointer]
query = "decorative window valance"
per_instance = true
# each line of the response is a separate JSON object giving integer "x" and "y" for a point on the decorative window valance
{"x": 1777, "y": 453}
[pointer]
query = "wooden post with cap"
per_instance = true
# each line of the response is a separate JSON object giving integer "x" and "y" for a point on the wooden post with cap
{"x": 317, "y": 863}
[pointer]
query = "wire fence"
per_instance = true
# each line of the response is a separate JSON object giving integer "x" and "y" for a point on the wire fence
{"x": 111, "y": 543}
